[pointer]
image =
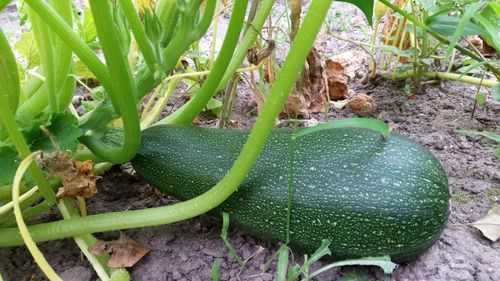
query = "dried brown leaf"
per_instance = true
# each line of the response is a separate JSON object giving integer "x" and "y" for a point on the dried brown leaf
{"x": 77, "y": 177}
{"x": 489, "y": 225}
{"x": 125, "y": 252}
{"x": 482, "y": 46}
{"x": 78, "y": 181}
{"x": 310, "y": 92}
{"x": 98, "y": 248}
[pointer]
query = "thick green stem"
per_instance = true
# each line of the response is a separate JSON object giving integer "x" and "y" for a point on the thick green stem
{"x": 121, "y": 92}
{"x": 66, "y": 33}
{"x": 247, "y": 41}
{"x": 163, "y": 215}
{"x": 134, "y": 21}
{"x": 45, "y": 44}
{"x": 187, "y": 113}
{"x": 9, "y": 91}
{"x": 442, "y": 76}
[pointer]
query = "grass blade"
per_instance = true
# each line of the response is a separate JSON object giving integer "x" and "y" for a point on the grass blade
{"x": 283, "y": 263}
{"x": 225, "y": 226}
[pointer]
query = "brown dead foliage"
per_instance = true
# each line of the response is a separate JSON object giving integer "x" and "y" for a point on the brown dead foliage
{"x": 482, "y": 46}
{"x": 77, "y": 177}
{"x": 322, "y": 81}
{"x": 125, "y": 251}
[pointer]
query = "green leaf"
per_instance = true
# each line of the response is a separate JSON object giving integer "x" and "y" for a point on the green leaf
{"x": 487, "y": 134}
{"x": 283, "y": 262}
{"x": 446, "y": 25}
{"x": 368, "y": 123}
{"x": 9, "y": 161}
{"x": 481, "y": 98}
{"x": 214, "y": 274}
{"x": 89, "y": 30}
{"x": 215, "y": 106}
{"x": 65, "y": 131}
{"x": 82, "y": 70}
{"x": 495, "y": 92}
{"x": 383, "y": 262}
{"x": 489, "y": 20}
{"x": 322, "y": 251}
{"x": 354, "y": 276}
{"x": 464, "y": 22}
{"x": 26, "y": 46}
{"x": 4, "y": 3}
{"x": 365, "y": 6}
{"x": 225, "y": 227}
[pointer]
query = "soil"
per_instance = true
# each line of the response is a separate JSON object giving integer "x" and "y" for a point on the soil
{"x": 187, "y": 250}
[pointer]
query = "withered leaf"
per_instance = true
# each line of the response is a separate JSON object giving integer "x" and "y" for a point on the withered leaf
{"x": 125, "y": 252}
{"x": 77, "y": 177}
{"x": 78, "y": 181}
{"x": 489, "y": 225}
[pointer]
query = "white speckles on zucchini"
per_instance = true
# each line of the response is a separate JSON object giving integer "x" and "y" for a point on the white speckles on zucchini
{"x": 369, "y": 196}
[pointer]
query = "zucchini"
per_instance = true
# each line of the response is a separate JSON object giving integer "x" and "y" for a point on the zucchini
{"x": 368, "y": 195}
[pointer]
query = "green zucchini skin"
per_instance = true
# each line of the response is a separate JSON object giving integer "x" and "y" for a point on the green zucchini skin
{"x": 368, "y": 195}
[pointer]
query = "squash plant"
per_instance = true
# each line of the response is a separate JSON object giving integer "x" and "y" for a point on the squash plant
{"x": 35, "y": 116}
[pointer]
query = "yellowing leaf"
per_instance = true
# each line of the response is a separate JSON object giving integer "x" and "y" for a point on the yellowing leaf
{"x": 489, "y": 225}
{"x": 26, "y": 46}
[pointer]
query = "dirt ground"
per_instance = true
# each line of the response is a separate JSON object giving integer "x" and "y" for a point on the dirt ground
{"x": 187, "y": 250}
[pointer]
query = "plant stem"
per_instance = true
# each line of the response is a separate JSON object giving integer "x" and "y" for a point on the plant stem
{"x": 442, "y": 76}
{"x": 121, "y": 92}
{"x": 247, "y": 41}
{"x": 65, "y": 32}
{"x": 135, "y": 24}
{"x": 187, "y": 113}
{"x": 163, "y": 215}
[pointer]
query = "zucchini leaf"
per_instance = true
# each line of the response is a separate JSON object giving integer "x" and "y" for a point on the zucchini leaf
{"x": 9, "y": 162}
{"x": 367, "y": 123}
{"x": 446, "y": 25}
{"x": 365, "y": 6}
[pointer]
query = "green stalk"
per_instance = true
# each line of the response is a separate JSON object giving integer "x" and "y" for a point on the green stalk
{"x": 74, "y": 42}
{"x": 135, "y": 24}
{"x": 10, "y": 91}
{"x": 121, "y": 92}
{"x": 45, "y": 44}
{"x": 442, "y": 76}
{"x": 147, "y": 81}
{"x": 168, "y": 14}
{"x": 188, "y": 112}
{"x": 163, "y": 215}
{"x": 189, "y": 31}
{"x": 247, "y": 41}
{"x": 63, "y": 57}
{"x": 439, "y": 37}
